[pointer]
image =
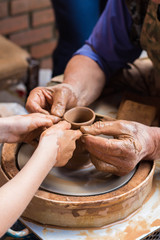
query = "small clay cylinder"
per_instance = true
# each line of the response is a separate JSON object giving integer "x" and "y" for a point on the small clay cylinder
{"x": 79, "y": 116}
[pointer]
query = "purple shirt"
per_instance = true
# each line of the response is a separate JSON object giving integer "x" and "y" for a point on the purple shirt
{"x": 110, "y": 39}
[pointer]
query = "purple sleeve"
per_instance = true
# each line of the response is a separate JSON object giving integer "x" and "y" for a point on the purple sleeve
{"x": 109, "y": 44}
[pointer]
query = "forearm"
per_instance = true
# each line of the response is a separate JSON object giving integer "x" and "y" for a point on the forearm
{"x": 86, "y": 78}
{"x": 18, "y": 192}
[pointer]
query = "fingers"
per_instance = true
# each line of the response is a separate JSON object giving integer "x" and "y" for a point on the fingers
{"x": 38, "y": 120}
{"x": 49, "y": 100}
{"x": 36, "y": 101}
{"x": 102, "y": 147}
{"x": 54, "y": 119}
{"x": 68, "y": 148}
{"x": 110, "y": 128}
{"x": 103, "y": 166}
{"x": 77, "y": 134}
{"x": 33, "y": 101}
{"x": 35, "y": 108}
{"x": 106, "y": 167}
{"x": 63, "y": 125}
{"x": 42, "y": 122}
{"x": 118, "y": 153}
{"x": 61, "y": 98}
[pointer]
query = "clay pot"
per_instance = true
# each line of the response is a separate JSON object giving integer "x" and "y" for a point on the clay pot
{"x": 79, "y": 116}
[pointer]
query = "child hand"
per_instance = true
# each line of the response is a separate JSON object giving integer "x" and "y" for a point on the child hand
{"x": 23, "y": 128}
{"x": 59, "y": 141}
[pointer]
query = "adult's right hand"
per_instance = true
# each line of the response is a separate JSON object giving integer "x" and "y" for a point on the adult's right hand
{"x": 52, "y": 100}
{"x": 132, "y": 143}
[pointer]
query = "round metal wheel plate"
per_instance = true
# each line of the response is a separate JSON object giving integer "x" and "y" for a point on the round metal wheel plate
{"x": 81, "y": 182}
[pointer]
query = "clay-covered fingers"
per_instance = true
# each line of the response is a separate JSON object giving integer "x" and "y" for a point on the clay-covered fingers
{"x": 39, "y": 120}
{"x": 60, "y": 100}
{"x": 25, "y": 128}
{"x": 62, "y": 131}
{"x": 62, "y": 125}
{"x": 110, "y": 128}
{"x": 133, "y": 142}
{"x": 67, "y": 146}
{"x": 103, "y": 147}
{"x": 120, "y": 154}
{"x": 60, "y": 141}
{"x": 51, "y": 100}
{"x": 40, "y": 100}
{"x": 119, "y": 169}
{"x": 64, "y": 98}
{"x": 57, "y": 129}
{"x": 104, "y": 166}
{"x": 37, "y": 101}
{"x": 38, "y": 123}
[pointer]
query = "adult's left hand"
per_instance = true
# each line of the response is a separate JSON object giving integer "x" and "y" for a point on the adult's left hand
{"x": 132, "y": 142}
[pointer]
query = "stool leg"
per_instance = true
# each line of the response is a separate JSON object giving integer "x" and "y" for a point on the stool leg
{"x": 32, "y": 75}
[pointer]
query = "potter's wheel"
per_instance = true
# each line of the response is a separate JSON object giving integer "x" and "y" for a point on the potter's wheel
{"x": 82, "y": 182}
{"x": 66, "y": 210}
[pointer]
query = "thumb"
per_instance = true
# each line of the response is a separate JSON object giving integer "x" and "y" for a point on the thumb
{"x": 77, "y": 134}
{"x": 60, "y": 100}
{"x": 94, "y": 129}
{"x": 110, "y": 128}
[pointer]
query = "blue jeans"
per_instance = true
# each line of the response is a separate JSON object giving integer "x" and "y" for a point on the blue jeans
{"x": 75, "y": 20}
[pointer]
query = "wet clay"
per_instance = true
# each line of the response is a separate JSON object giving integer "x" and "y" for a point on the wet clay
{"x": 91, "y": 211}
{"x": 79, "y": 116}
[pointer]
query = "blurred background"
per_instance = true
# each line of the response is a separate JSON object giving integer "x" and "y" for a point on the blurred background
{"x": 37, "y": 38}
{"x": 31, "y": 26}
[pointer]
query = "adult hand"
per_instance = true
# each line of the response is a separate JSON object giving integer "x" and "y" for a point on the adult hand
{"x": 52, "y": 100}
{"x": 24, "y": 128}
{"x": 59, "y": 142}
{"x": 132, "y": 142}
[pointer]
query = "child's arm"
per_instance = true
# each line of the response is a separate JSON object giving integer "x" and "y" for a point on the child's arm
{"x": 18, "y": 192}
